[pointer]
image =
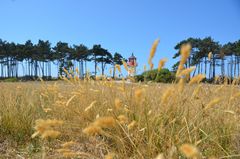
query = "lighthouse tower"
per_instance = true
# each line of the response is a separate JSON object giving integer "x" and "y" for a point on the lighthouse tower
{"x": 132, "y": 64}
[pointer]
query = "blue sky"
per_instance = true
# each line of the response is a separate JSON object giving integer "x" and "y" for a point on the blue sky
{"x": 123, "y": 26}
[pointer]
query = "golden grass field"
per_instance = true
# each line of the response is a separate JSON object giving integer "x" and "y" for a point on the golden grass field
{"x": 100, "y": 118}
{"x": 75, "y": 118}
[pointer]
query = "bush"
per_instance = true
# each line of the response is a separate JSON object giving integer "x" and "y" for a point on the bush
{"x": 139, "y": 78}
{"x": 164, "y": 76}
{"x": 10, "y": 80}
{"x": 150, "y": 75}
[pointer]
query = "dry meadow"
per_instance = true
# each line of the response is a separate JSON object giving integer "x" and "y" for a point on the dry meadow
{"x": 74, "y": 118}
{"x": 97, "y": 119}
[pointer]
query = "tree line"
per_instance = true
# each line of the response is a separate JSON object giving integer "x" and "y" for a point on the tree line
{"x": 208, "y": 55}
{"x": 36, "y": 60}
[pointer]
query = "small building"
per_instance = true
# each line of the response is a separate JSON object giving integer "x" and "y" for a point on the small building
{"x": 132, "y": 64}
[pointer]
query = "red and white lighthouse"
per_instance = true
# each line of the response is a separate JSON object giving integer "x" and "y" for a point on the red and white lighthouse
{"x": 132, "y": 64}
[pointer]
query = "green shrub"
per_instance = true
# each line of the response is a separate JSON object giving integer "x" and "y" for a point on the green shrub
{"x": 164, "y": 76}
{"x": 150, "y": 75}
{"x": 10, "y": 80}
{"x": 139, "y": 78}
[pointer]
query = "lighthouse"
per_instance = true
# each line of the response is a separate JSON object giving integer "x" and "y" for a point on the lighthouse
{"x": 132, "y": 64}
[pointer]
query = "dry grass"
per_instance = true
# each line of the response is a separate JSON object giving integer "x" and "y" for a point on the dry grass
{"x": 127, "y": 120}
{"x": 106, "y": 119}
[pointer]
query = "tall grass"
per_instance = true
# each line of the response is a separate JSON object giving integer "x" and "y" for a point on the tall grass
{"x": 104, "y": 119}
{"x": 129, "y": 120}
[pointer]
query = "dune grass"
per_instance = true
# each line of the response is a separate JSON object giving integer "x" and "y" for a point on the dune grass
{"x": 88, "y": 118}
{"x": 127, "y": 120}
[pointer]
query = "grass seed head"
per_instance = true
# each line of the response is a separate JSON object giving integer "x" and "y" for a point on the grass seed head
{"x": 63, "y": 150}
{"x": 70, "y": 99}
{"x": 70, "y": 154}
{"x": 187, "y": 71}
{"x": 209, "y": 56}
{"x": 92, "y": 130}
{"x": 181, "y": 84}
{"x": 196, "y": 91}
{"x": 43, "y": 125}
{"x": 160, "y": 156}
{"x": 90, "y": 106}
{"x": 118, "y": 67}
{"x": 77, "y": 71}
{"x": 161, "y": 63}
{"x": 212, "y": 103}
{"x": 152, "y": 52}
{"x": 50, "y": 134}
{"x": 166, "y": 95}
{"x": 190, "y": 151}
{"x": 149, "y": 112}
{"x": 125, "y": 65}
{"x": 151, "y": 66}
{"x": 138, "y": 93}
{"x": 110, "y": 156}
{"x": 132, "y": 125}
{"x": 118, "y": 103}
{"x": 197, "y": 79}
{"x": 47, "y": 110}
{"x": 68, "y": 144}
{"x": 122, "y": 119}
{"x": 236, "y": 95}
{"x": 185, "y": 51}
{"x": 105, "y": 122}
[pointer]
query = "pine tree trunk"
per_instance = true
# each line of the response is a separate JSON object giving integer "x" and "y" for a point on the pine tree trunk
{"x": 214, "y": 67}
{"x": 238, "y": 64}
{"x": 102, "y": 69}
{"x": 95, "y": 71}
{"x": 17, "y": 69}
{"x": 231, "y": 67}
{"x": 222, "y": 67}
{"x": 210, "y": 70}
{"x": 205, "y": 63}
{"x": 35, "y": 71}
{"x": 1, "y": 70}
{"x": 8, "y": 68}
{"x": 199, "y": 67}
{"x": 235, "y": 66}
{"x": 85, "y": 68}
